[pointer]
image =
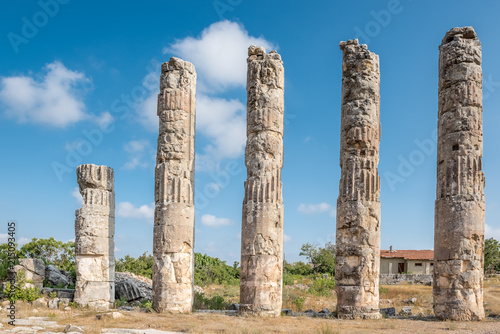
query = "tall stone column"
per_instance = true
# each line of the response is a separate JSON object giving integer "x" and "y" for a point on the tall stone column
{"x": 173, "y": 240}
{"x": 459, "y": 216}
{"x": 357, "y": 264}
{"x": 262, "y": 223}
{"x": 94, "y": 242}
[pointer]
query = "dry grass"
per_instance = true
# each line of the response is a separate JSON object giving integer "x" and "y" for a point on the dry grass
{"x": 214, "y": 323}
{"x": 491, "y": 295}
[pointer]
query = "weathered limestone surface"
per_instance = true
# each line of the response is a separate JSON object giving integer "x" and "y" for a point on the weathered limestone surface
{"x": 94, "y": 243}
{"x": 33, "y": 269}
{"x": 262, "y": 221}
{"x": 357, "y": 264}
{"x": 459, "y": 215}
{"x": 173, "y": 242}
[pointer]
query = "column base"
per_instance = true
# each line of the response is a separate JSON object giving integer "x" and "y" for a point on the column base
{"x": 358, "y": 313}
{"x": 258, "y": 311}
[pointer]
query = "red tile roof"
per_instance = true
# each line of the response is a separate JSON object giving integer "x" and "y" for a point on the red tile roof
{"x": 425, "y": 254}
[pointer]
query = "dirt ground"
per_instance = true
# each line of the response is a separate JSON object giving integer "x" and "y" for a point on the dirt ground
{"x": 391, "y": 296}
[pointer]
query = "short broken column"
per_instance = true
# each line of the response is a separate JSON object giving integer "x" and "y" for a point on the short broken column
{"x": 262, "y": 222}
{"x": 459, "y": 215}
{"x": 173, "y": 240}
{"x": 94, "y": 242}
{"x": 357, "y": 264}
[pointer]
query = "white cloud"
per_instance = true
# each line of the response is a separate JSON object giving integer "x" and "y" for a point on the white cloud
{"x": 223, "y": 123}
{"x": 146, "y": 106}
{"x": 104, "y": 119}
{"x": 138, "y": 154}
{"x": 133, "y": 163}
{"x": 210, "y": 248}
{"x": 219, "y": 54}
{"x": 23, "y": 240}
{"x": 128, "y": 210}
{"x": 310, "y": 209}
{"x": 136, "y": 146}
{"x": 76, "y": 194}
{"x": 147, "y": 112}
{"x": 492, "y": 232}
{"x": 20, "y": 241}
{"x": 54, "y": 99}
{"x": 287, "y": 238}
{"x": 214, "y": 186}
{"x": 74, "y": 145}
{"x": 212, "y": 221}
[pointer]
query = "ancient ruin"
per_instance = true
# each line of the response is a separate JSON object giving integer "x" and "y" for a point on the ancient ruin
{"x": 459, "y": 216}
{"x": 173, "y": 242}
{"x": 94, "y": 242}
{"x": 358, "y": 207}
{"x": 262, "y": 221}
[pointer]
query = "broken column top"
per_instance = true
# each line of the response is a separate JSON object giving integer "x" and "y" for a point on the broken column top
{"x": 343, "y": 44}
{"x": 352, "y": 46}
{"x": 459, "y": 33}
{"x": 177, "y": 64}
{"x": 177, "y": 73}
{"x": 96, "y": 177}
{"x": 259, "y": 52}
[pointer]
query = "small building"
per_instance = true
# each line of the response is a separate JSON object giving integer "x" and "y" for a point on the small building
{"x": 406, "y": 261}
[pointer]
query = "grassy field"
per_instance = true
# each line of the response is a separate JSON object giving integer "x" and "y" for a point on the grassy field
{"x": 391, "y": 296}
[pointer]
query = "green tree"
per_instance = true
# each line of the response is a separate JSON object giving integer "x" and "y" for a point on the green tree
{"x": 297, "y": 268}
{"x": 58, "y": 253}
{"x": 143, "y": 265}
{"x": 4, "y": 259}
{"x": 211, "y": 270}
{"x": 321, "y": 258}
{"x": 491, "y": 254}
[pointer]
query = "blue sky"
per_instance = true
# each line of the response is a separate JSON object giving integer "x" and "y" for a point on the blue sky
{"x": 78, "y": 84}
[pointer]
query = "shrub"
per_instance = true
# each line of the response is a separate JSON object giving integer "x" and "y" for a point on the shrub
{"x": 326, "y": 329}
{"x": 297, "y": 268}
{"x": 21, "y": 291}
{"x": 147, "y": 304}
{"x": 120, "y": 302}
{"x": 4, "y": 259}
{"x": 143, "y": 265}
{"x": 204, "y": 303}
{"x": 491, "y": 255}
{"x": 58, "y": 253}
{"x": 211, "y": 270}
{"x": 322, "y": 287}
{"x": 207, "y": 269}
{"x": 321, "y": 258}
{"x": 299, "y": 302}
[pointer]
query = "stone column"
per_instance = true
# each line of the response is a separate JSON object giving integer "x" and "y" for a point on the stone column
{"x": 262, "y": 221}
{"x": 173, "y": 240}
{"x": 94, "y": 242}
{"x": 357, "y": 266}
{"x": 459, "y": 216}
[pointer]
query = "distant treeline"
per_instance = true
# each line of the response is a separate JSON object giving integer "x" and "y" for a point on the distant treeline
{"x": 208, "y": 270}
